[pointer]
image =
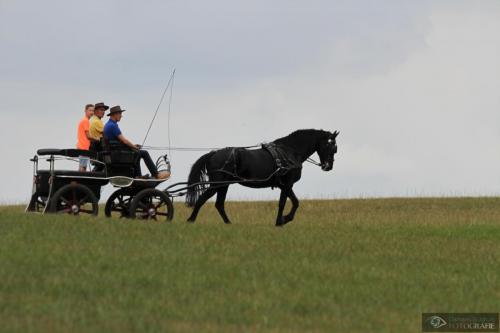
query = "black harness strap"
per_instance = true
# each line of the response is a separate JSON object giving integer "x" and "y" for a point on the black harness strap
{"x": 284, "y": 161}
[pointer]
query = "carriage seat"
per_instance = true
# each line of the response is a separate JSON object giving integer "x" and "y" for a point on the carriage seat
{"x": 65, "y": 152}
{"x": 113, "y": 157}
{"x": 74, "y": 173}
{"x": 92, "y": 180}
{"x": 121, "y": 162}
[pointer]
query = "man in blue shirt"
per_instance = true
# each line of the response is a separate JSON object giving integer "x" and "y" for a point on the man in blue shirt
{"x": 113, "y": 135}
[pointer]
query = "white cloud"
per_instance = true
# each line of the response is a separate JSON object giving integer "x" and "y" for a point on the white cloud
{"x": 413, "y": 89}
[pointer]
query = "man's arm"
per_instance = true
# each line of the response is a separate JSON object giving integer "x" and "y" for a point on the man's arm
{"x": 86, "y": 130}
{"x": 125, "y": 141}
{"x": 87, "y": 134}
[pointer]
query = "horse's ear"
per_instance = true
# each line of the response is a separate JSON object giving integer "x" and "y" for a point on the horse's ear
{"x": 335, "y": 134}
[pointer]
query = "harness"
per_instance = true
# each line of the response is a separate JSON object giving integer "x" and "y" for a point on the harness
{"x": 283, "y": 159}
{"x": 230, "y": 166}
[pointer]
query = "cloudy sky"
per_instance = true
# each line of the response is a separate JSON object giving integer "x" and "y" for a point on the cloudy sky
{"x": 413, "y": 86}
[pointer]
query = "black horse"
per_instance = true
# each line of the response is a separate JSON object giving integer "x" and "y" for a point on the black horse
{"x": 278, "y": 164}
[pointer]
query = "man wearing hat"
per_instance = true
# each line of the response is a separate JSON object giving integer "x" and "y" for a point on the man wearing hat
{"x": 113, "y": 135}
{"x": 97, "y": 126}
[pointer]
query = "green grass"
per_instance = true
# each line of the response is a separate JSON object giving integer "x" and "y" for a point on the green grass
{"x": 341, "y": 266}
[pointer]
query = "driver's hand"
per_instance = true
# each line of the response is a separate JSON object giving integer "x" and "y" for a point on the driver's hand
{"x": 138, "y": 146}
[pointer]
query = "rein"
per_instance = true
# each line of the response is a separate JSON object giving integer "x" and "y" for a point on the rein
{"x": 191, "y": 148}
{"x": 179, "y": 148}
{"x": 202, "y": 149}
{"x": 312, "y": 161}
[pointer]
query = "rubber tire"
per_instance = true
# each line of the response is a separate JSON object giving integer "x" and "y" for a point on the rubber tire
{"x": 149, "y": 193}
{"x": 74, "y": 187}
{"x": 114, "y": 195}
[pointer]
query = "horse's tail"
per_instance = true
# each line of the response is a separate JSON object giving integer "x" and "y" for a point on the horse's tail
{"x": 198, "y": 176}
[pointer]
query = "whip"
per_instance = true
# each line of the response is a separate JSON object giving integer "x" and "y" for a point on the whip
{"x": 169, "y": 85}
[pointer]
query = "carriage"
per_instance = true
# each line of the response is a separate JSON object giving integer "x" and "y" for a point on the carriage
{"x": 277, "y": 165}
{"x": 78, "y": 193}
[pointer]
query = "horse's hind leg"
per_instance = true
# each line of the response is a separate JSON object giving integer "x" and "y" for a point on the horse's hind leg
{"x": 219, "y": 203}
{"x": 201, "y": 201}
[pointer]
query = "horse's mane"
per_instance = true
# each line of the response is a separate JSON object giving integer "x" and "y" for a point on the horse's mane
{"x": 299, "y": 137}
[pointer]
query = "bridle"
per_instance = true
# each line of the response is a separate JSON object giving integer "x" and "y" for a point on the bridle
{"x": 313, "y": 161}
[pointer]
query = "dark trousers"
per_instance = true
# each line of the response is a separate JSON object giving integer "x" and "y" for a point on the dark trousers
{"x": 96, "y": 147}
{"x": 149, "y": 163}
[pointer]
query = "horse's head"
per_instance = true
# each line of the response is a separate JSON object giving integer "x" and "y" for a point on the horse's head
{"x": 327, "y": 148}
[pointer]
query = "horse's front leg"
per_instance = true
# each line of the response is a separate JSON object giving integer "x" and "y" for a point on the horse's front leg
{"x": 295, "y": 206}
{"x": 281, "y": 206}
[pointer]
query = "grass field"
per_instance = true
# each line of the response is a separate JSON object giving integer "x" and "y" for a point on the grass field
{"x": 341, "y": 266}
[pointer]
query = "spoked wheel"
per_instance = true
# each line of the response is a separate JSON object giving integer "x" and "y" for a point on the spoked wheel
{"x": 74, "y": 199}
{"x": 152, "y": 204}
{"x": 118, "y": 204}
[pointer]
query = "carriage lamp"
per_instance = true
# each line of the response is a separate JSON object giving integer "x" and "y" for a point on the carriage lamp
{"x": 121, "y": 181}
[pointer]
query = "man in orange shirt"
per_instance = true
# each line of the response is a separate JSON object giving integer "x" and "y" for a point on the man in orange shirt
{"x": 83, "y": 142}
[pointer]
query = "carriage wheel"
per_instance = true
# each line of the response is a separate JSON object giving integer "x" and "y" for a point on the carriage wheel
{"x": 74, "y": 199}
{"x": 118, "y": 204}
{"x": 152, "y": 204}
